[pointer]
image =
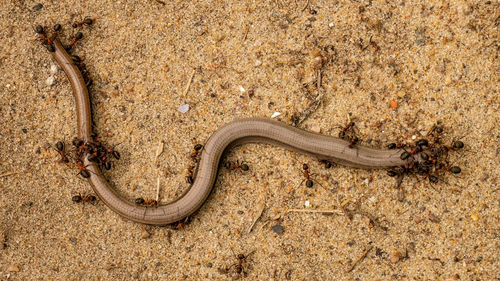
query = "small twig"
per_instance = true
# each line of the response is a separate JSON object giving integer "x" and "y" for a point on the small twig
{"x": 314, "y": 105}
{"x": 189, "y": 83}
{"x": 305, "y": 6}
{"x": 11, "y": 173}
{"x": 158, "y": 187}
{"x": 257, "y": 218}
{"x": 159, "y": 150}
{"x": 323, "y": 211}
{"x": 359, "y": 259}
{"x": 246, "y": 33}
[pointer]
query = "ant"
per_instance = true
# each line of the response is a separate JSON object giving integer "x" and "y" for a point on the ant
{"x": 83, "y": 172}
{"x": 348, "y": 133}
{"x": 236, "y": 165}
{"x": 307, "y": 175}
{"x": 78, "y": 36}
{"x": 60, "y": 148}
{"x": 190, "y": 176}
{"x": 84, "y": 198}
{"x": 86, "y": 21}
{"x": 239, "y": 265}
{"x": 146, "y": 203}
{"x": 196, "y": 152}
{"x": 327, "y": 163}
{"x": 179, "y": 224}
{"x": 449, "y": 168}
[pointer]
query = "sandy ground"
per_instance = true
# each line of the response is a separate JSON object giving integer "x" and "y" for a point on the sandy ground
{"x": 437, "y": 61}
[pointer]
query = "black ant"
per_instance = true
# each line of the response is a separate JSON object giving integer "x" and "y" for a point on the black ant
{"x": 190, "y": 175}
{"x": 60, "y": 148}
{"x": 307, "y": 175}
{"x": 146, "y": 203}
{"x": 196, "y": 152}
{"x": 78, "y": 36}
{"x": 327, "y": 163}
{"x": 83, "y": 171}
{"x": 238, "y": 267}
{"x": 84, "y": 198}
{"x": 348, "y": 133}
{"x": 236, "y": 165}
{"x": 86, "y": 21}
{"x": 179, "y": 224}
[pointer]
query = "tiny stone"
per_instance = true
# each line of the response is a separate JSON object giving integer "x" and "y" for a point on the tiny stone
{"x": 13, "y": 268}
{"x": 50, "y": 81}
{"x": 316, "y": 129}
{"x": 38, "y": 7}
{"x": 145, "y": 234}
{"x": 307, "y": 204}
{"x": 278, "y": 229}
{"x": 331, "y": 24}
{"x": 258, "y": 63}
{"x": 401, "y": 94}
{"x": 433, "y": 218}
{"x": 72, "y": 239}
{"x": 25, "y": 130}
{"x": 276, "y": 114}
{"x": 183, "y": 108}
{"x": 53, "y": 68}
{"x": 242, "y": 90}
{"x": 474, "y": 217}
{"x": 395, "y": 258}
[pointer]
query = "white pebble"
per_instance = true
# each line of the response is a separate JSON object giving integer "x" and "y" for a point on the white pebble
{"x": 331, "y": 24}
{"x": 183, "y": 108}
{"x": 50, "y": 81}
{"x": 372, "y": 199}
{"x": 242, "y": 90}
{"x": 258, "y": 63}
{"x": 315, "y": 129}
{"x": 413, "y": 137}
{"x": 53, "y": 69}
{"x": 307, "y": 204}
{"x": 276, "y": 114}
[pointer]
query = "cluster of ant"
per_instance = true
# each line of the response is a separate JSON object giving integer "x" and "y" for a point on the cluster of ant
{"x": 48, "y": 42}
{"x": 426, "y": 157}
{"x": 95, "y": 150}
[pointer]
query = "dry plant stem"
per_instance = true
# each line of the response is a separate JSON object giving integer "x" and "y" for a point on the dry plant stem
{"x": 359, "y": 259}
{"x": 251, "y": 130}
{"x": 189, "y": 84}
{"x": 11, "y": 173}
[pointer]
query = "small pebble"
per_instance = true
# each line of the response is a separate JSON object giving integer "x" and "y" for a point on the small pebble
{"x": 316, "y": 129}
{"x": 276, "y": 114}
{"x": 183, "y": 108}
{"x": 13, "y": 268}
{"x": 72, "y": 239}
{"x": 278, "y": 229}
{"x": 434, "y": 218}
{"x": 395, "y": 257}
{"x": 331, "y": 24}
{"x": 393, "y": 104}
{"x": 474, "y": 217}
{"x": 258, "y": 63}
{"x": 242, "y": 90}
{"x": 38, "y": 7}
{"x": 145, "y": 234}
{"x": 53, "y": 68}
{"x": 307, "y": 204}
{"x": 50, "y": 81}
